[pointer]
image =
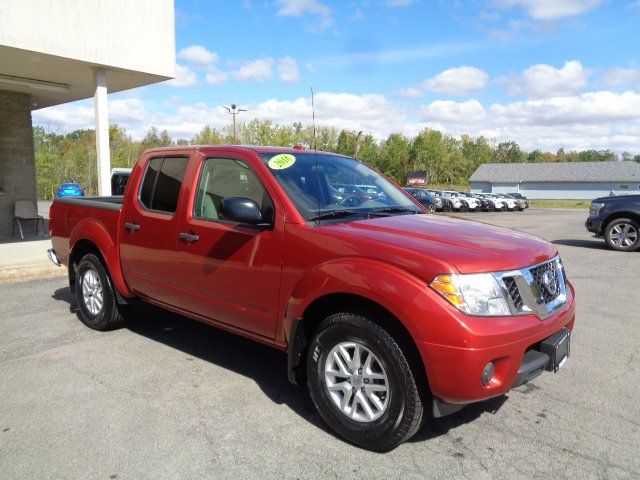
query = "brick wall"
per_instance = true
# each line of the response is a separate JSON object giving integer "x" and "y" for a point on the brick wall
{"x": 17, "y": 162}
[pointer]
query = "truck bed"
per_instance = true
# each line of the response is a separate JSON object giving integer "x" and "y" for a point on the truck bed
{"x": 70, "y": 215}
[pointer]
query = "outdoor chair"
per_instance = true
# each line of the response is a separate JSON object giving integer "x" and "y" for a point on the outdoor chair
{"x": 25, "y": 210}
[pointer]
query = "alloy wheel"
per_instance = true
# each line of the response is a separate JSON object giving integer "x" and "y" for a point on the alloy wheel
{"x": 357, "y": 382}
{"x": 623, "y": 235}
{"x": 92, "y": 292}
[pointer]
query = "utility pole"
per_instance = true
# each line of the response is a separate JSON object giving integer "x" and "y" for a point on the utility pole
{"x": 356, "y": 148}
{"x": 233, "y": 111}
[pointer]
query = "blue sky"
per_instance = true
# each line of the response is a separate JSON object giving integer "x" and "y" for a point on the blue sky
{"x": 545, "y": 73}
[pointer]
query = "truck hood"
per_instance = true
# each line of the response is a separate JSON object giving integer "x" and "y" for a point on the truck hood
{"x": 469, "y": 246}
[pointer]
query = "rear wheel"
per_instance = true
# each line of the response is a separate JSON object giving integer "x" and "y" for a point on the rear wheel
{"x": 95, "y": 294}
{"x": 362, "y": 383}
{"x": 463, "y": 208}
{"x": 432, "y": 208}
{"x": 623, "y": 234}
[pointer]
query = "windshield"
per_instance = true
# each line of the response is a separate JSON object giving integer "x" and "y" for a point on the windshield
{"x": 320, "y": 183}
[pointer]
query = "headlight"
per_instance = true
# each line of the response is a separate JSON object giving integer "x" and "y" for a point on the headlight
{"x": 477, "y": 294}
{"x": 594, "y": 211}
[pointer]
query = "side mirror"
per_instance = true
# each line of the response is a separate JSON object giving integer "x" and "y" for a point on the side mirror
{"x": 243, "y": 210}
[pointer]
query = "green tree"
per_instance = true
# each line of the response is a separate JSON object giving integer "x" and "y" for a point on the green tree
{"x": 394, "y": 157}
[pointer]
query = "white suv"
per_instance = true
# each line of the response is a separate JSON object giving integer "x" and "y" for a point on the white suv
{"x": 464, "y": 203}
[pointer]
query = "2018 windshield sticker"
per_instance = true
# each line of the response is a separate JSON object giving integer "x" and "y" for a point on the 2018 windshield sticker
{"x": 282, "y": 161}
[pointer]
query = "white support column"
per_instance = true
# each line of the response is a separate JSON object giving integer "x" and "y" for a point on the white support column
{"x": 101, "y": 108}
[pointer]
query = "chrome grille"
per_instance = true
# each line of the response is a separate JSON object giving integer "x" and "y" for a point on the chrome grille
{"x": 546, "y": 278}
{"x": 540, "y": 289}
{"x": 514, "y": 293}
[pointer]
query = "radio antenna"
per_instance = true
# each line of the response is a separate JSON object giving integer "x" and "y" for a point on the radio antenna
{"x": 313, "y": 118}
{"x": 315, "y": 150}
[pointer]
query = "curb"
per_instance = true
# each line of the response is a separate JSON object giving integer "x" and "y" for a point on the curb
{"x": 29, "y": 271}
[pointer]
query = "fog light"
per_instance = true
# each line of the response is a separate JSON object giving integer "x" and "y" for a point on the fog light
{"x": 487, "y": 373}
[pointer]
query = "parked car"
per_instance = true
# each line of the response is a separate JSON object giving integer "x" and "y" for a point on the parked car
{"x": 518, "y": 196}
{"x": 353, "y": 191}
{"x": 447, "y": 206}
{"x": 390, "y": 316}
{"x": 483, "y": 204}
{"x": 617, "y": 219}
{"x": 119, "y": 179}
{"x": 70, "y": 190}
{"x": 467, "y": 204}
{"x": 509, "y": 202}
{"x": 497, "y": 204}
{"x": 430, "y": 202}
{"x": 521, "y": 203}
{"x": 372, "y": 190}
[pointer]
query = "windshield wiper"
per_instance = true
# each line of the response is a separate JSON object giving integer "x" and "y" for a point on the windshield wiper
{"x": 333, "y": 214}
{"x": 391, "y": 211}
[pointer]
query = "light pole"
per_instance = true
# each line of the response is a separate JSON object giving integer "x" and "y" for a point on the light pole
{"x": 233, "y": 111}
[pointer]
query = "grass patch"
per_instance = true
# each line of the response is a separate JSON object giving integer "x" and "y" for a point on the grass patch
{"x": 559, "y": 203}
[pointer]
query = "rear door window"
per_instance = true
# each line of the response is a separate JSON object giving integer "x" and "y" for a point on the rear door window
{"x": 161, "y": 185}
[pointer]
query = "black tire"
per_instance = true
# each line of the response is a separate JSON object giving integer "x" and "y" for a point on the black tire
{"x": 631, "y": 240}
{"x": 111, "y": 314}
{"x": 463, "y": 208}
{"x": 431, "y": 208}
{"x": 404, "y": 411}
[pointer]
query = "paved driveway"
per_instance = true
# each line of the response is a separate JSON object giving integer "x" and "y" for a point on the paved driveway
{"x": 171, "y": 398}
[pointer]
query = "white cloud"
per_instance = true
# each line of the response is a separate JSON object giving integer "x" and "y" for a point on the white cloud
{"x": 450, "y": 111}
{"x": 301, "y": 8}
{"x": 399, "y": 3}
{"x": 552, "y": 9}
{"x": 259, "y": 71}
{"x": 546, "y": 81}
{"x": 599, "y": 120}
{"x": 588, "y": 108}
{"x": 622, "y": 77}
{"x": 457, "y": 81}
{"x": 288, "y": 70}
{"x": 217, "y": 77}
{"x": 185, "y": 77}
{"x": 198, "y": 55}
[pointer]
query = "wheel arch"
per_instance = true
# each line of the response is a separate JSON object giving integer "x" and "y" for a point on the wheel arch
{"x": 620, "y": 214}
{"x": 304, "y": 328}
{"x": 92, "y": 237}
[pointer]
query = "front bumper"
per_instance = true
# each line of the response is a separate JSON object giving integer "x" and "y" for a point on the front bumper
{"x": 455, "y": 373}
{"x": 594, "y": 225}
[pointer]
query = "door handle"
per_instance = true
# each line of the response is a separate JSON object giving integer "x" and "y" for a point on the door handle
{"x": 132, "y": 227}
{"x": 188, "y": 237}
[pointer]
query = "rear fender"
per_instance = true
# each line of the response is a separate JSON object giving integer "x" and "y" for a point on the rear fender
{"x": 96, "y": 233}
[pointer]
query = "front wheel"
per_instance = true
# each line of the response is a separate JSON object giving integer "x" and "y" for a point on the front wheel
{"x": 362, "y": 384}
{"x": 96, "y": 297}
{"x": 623, "y": 234}
{"x": 432, "y": 208}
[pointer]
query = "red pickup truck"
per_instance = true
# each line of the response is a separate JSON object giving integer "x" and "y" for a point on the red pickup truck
{"x": 391, "y": 315}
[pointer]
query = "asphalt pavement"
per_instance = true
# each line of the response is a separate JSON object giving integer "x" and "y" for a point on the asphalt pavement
{"x": 168, "y": 397}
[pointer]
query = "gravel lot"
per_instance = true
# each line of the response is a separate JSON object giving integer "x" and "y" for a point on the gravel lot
{"x": 171, "y": 398}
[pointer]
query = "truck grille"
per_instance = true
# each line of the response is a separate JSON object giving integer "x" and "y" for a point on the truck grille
{"x": 546, "y": 278}
{"x": 514, "y": 293}
{"x": 540, "y": 289}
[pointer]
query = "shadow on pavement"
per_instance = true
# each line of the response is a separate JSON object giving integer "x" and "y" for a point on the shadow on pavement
{"x": 263, "y": 364}
{"x": 572, "y": 242}
{"x": 436, "y": 427}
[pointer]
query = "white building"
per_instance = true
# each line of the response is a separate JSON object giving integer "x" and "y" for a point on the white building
{"x": 54, "y": 52}
{"x": 561, "y": 180}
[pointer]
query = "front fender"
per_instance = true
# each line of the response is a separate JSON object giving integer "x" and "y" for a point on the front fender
{"x": 384, "y": 284}
{"x": 95, "y": 232}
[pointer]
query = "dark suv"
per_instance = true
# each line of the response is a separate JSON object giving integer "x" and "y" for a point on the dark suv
{"x": 617, "y": 219}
